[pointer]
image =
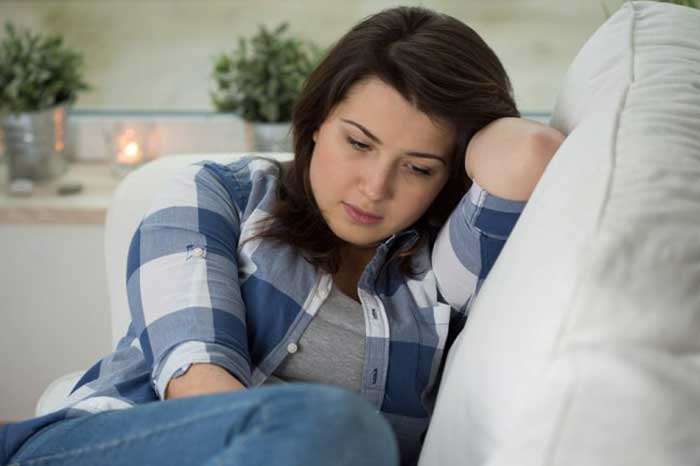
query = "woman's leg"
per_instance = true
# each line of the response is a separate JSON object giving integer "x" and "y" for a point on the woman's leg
{"x": 296, "y": 424}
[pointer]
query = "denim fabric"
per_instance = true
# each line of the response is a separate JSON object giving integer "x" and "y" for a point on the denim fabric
{"x": 293, "y": 424}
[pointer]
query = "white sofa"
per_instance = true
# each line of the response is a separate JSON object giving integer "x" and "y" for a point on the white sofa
{"x": 583, "y": 347}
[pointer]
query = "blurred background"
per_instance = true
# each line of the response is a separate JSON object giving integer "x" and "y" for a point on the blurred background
{"x": 152, "y": 61}
{"x": 158, "y": 54}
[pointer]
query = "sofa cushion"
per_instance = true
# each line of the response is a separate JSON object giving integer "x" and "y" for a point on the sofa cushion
{"x": 583, "y": 345}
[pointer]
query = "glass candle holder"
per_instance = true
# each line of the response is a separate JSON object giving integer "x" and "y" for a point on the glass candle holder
{"x": 132, "y": 144}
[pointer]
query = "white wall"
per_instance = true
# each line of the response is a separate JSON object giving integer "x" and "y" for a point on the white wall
{"x": 158, "y": 54}
{"x": 54, "y": 309}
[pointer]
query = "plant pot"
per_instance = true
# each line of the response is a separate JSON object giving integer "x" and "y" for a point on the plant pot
{"x": 35, "y": 142}
{"x": 269, "y": 137}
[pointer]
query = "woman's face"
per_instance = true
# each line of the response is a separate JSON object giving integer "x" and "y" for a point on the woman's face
{"x": 377, "y": 153}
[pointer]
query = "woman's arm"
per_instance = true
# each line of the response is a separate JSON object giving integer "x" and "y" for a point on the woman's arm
{"x": 202, "y": 379}
{"x": 506, "y": 160}
{"x": 508, "y": 156}
{"x": 182, "y": 283}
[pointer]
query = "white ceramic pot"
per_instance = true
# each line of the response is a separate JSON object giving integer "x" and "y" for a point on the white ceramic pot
{"x": 271, "y": 137}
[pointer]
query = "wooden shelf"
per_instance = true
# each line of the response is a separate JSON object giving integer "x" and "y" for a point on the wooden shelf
{"x": 46, "y": 207}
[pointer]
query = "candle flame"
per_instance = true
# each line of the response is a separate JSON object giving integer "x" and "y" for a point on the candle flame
{"x": 131, "y": 149}
{"x": 131, "y": 153}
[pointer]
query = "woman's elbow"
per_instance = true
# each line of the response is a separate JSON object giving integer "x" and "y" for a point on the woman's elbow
{"x": 508, "y": 157}
{"x": 530, "y": 165}
{"x": 544, "y": 143}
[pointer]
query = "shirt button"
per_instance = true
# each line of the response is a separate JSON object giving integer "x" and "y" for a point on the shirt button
{"x": 292, "y": 348}
{"x": 198, "y": 252}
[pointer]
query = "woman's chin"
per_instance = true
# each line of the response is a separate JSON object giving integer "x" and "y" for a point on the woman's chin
{"x": 358, "y": 240}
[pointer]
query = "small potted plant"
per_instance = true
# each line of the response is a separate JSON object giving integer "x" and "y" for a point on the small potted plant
{"x": 688, "y": 3}
{"x": 39, "y": 79}
{"x": 261, "y": 80}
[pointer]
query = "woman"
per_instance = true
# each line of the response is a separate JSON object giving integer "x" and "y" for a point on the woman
{"x": 354, "y": 266}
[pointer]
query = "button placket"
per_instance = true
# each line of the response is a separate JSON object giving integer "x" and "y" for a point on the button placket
{"x": 376, "y": 328}
{"x": 321, "y": 293}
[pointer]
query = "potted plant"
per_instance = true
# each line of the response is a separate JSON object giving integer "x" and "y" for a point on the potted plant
{"x": 39, "y": 79}
{"x": 261, "y": 80}
{"x": 688, "y": 3}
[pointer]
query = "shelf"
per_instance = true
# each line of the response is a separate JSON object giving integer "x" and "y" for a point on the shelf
{"x": 46, "y": 207}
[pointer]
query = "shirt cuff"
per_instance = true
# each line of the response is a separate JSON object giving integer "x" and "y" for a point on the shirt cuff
{"x": 181, "y": 357}
{"x": 491, "y": 215}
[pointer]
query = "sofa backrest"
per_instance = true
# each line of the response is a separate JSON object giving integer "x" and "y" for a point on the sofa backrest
{"x": 583, "y": 345}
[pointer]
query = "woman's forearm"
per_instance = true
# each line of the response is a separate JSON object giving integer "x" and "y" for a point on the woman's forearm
{"x": 508, "y": 156}
{"x": 202, "y": 379}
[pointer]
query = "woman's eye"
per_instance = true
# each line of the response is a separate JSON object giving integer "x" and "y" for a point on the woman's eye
{"x": 361, "y": 146}
{"x": 358, "y": 145}
{"x": 420, "y": 171}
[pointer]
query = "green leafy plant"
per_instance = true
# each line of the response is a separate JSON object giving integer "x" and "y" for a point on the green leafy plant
{"x": 262, "y": 78}
{"x": 37, "y": 71}
{"x": 688, "y": 3}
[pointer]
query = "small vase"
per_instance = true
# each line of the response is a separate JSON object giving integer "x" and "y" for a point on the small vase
{"x": 270, "y": 137}
{"x": 35, "y": 143}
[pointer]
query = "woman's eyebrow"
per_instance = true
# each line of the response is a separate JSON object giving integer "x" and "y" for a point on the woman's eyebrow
{"x": 369, "y": 134}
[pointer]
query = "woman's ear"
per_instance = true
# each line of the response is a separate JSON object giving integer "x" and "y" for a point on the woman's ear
{"x": 315, "y": 136}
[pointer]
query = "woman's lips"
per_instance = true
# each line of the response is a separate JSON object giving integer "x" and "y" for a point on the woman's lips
{"x": 360, "y": 216}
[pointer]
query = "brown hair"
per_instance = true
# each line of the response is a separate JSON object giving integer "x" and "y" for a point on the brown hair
{"x": 434, "y": 61}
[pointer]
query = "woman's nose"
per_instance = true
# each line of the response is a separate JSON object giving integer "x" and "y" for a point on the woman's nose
{"x": 376, "y": 183}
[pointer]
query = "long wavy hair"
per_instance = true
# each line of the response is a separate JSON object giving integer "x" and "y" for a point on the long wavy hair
{"x": 434, "y": 61}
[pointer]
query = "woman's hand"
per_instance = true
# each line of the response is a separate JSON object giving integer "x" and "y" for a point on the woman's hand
{"x": 508, "y": 156}
{"x": 202, "y": 379}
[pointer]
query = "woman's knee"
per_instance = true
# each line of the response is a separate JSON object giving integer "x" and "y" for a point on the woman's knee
{"x": 346, "y": 421}
{"x": 326, "y": 401}
{"x": 325, "y": 419}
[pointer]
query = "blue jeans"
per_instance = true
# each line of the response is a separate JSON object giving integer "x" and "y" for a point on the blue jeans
{"x": 294, "y": 424}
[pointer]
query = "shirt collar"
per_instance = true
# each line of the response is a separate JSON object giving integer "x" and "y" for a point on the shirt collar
{"x": 405, "y": 238}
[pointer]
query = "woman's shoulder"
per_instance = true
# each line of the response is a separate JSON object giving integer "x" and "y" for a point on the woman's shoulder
{"x": 254, "y": 165}
{"x": 249, "y": 182}
{"x": 242, "y": 172}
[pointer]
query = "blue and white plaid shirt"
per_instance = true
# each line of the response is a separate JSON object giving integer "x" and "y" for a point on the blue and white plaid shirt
{"x": 197, "y": 295}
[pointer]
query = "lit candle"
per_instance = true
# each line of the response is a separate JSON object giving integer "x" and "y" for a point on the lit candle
{"x": 130, "y": 151}
{"x": 130, "y": 154}
{"x": 132, "y": 145}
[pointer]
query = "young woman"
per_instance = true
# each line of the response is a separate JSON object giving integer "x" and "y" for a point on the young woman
{"x": 350, "y": 269}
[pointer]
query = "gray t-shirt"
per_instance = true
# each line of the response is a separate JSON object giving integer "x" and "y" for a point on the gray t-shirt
{"x": 332, "y": 349}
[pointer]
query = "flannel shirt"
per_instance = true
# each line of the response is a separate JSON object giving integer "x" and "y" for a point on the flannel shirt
{"x": 197, "y": 293}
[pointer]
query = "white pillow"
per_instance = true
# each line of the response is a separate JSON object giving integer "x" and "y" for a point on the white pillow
{"x": 583, "y": 346}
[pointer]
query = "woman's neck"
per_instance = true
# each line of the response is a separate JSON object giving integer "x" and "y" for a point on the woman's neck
{"x": 353, "y": 261}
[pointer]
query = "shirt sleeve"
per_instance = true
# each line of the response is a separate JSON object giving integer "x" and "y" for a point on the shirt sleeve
{"x": 469, "y": 243}
{"x": 180, "y": 358}
{"x": 182, "y": 277}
